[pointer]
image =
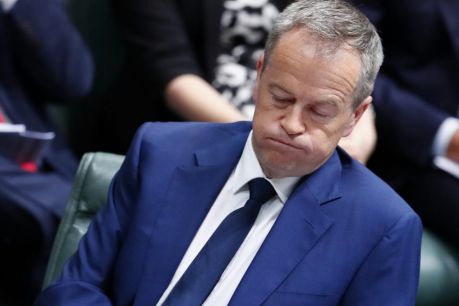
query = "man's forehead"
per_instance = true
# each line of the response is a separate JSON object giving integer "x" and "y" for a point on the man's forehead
{"x": 317, "y": 62}
{"x": 302, "y": 36}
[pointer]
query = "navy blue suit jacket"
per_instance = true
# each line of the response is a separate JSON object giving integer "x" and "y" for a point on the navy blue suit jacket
{"x": 42, "y": 58}
{"x": 342, "y": 238}
{"x": 417, "y": 87}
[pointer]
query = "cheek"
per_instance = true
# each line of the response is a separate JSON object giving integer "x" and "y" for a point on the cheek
{"x": 331, "y": 133}
{"x": 321, "y": 143}
{"x": 264, "y": 121}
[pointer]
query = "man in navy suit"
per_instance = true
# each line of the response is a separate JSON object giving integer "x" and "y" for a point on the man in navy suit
{"x": 333, "y": 234}
{"x": 42, "y": 58}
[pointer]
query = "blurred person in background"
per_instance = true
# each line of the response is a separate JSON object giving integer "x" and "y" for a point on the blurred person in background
{"x": 42, "y": 58}
{"x": 193, "y": 60}
{"x": 416, "y": 98}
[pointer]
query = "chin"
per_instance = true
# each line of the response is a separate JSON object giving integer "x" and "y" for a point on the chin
{"x": 281, "y": 170}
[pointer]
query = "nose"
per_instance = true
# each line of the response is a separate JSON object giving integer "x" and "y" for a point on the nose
{"x": 292, "y": 122}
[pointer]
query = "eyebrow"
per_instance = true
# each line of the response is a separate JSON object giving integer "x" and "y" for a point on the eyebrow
{"x": 278, "y": 87}
{"x": 333, "y": 102}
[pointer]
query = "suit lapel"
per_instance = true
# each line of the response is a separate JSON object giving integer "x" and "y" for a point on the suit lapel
{"x": 298, "y": 228}
{"x": 191, "y": 193}
{"x": 449, "y": 10}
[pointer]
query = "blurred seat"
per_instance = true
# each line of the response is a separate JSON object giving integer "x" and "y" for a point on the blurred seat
{"x": 89, "y": 194}
{"x": 439, "y": 279}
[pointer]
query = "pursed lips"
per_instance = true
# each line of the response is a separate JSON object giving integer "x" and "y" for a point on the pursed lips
{"x": 285, "y": 143}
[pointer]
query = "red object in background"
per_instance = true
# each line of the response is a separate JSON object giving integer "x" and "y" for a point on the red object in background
{"x": 27, "y": 166}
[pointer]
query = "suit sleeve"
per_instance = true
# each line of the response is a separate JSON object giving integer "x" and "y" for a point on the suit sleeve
{"x": 87, "y": 276}
{"x": 156, "y": 34}
{"x": 390, "y": 273}
{"x": 49, "y": 51}
{"x": 405, "y": 120}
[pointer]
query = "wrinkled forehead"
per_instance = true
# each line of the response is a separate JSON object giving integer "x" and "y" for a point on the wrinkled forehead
{"x": 309, "y": 44}
{"x": 316, "y": 62}
{"x": 323, "y": 47}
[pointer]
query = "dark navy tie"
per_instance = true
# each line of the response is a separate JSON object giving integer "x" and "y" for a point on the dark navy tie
{"x": 204, "y": 272}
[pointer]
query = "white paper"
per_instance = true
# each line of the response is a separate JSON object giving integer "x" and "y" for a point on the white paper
{"x": 8, "y": 127}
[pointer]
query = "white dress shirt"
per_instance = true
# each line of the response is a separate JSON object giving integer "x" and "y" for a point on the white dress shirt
{"x": 233, "y": 196}
{"x": 444, "y": 135}
{"x": 440, "y": 145}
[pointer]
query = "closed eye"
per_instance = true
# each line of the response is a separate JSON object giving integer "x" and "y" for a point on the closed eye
{"x": 280, "y": 96}
{"x": 324, "y": 111}
{"x": 279, "y": 100}
{"x": 320, "y": 112}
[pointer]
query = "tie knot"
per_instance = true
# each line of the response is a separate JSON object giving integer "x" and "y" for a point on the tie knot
{"x": 261, "y": 190}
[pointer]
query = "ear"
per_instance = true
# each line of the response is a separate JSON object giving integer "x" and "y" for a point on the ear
{"x": 356, "y": 115}
{"x": 260, "y": 64}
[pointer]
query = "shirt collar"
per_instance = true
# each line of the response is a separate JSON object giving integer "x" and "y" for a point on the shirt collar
{"x": 249, "y": 168}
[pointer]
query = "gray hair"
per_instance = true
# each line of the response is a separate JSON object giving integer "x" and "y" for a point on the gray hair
{"x": 334, "y": 22}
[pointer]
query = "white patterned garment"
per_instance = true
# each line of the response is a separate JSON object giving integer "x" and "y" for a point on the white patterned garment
{"x": 245, "y": 25}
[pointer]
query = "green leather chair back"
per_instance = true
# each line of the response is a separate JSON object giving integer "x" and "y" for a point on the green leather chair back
{"x": 439, "y": 279}
{"x": 89, "y": 194}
